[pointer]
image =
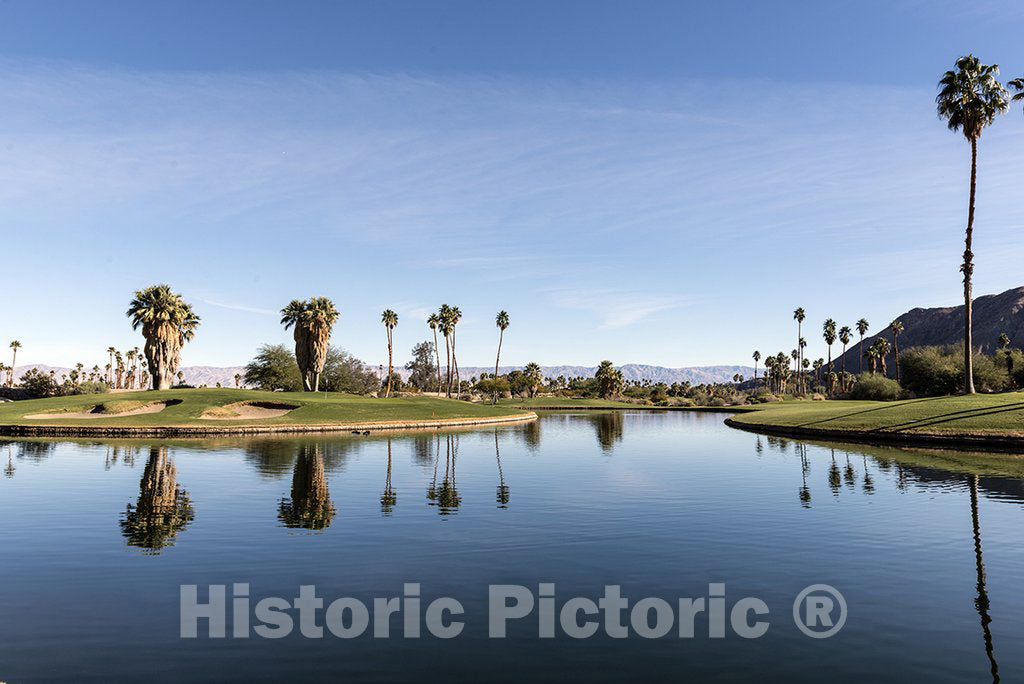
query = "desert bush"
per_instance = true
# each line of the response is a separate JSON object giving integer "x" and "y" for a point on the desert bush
{"x": 939, "y": 371}
{"x": 876, "y": 388}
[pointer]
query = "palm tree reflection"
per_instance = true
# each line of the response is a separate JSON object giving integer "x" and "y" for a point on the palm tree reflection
{"x": 163, "y": 509}
{"x": 446, "y": 497}
{"x": 609, "y": 429}
{"x": 389, "y": 497}
{"x": 805, "y": 468}
{"x": 310, "y": 507}
{"x": 981, "y": 603}
{"x": 503, "y": 493}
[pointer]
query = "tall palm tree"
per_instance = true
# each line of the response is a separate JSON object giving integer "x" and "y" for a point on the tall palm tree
{"x": 969, "y": 99}
{"x": 756, "y": 357}
{"x": 897, "y": 329}
{"x": 110, "y": 377}
{"x": 883, "y": 351}
{"x": 15, "y": 346}
{"x": 390, "y": 319}
{"x": 434, "y": 321}
{"x": 456, "y": 316}
{"x": 444, "y": 316}
{"x": 829, "y": 333}
{"x": 501, "y": 320}
{"x": 862, "y": 328}
{"x": 167, "y": 323}
{"x": 799, "y": 315}
{"x": 844, "y": 337}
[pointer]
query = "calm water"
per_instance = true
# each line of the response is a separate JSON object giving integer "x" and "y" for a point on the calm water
{"x": 97, "y": 538}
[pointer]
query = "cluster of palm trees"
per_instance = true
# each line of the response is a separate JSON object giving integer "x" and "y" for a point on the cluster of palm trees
{"x": 970, "y": 98}
{"x": 128, "y": 370}
{"x": 781, "y": 369}
{"x": 167, "y": 322}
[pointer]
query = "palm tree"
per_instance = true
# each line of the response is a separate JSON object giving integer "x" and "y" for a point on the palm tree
{"x": 844, "y": 337}
{"x": 970, "y": 99}
{"x": 15, "y": 346}
{"x": 434, "y": 321}
{"x": 390, "y": 319}
{"x": 313, "y": 322}
{"x": 1018, "y": 85}
{"x": 444, "y": 316}
{"x": 756, "y": 357}
{"x": 110, "y": 377}
{"x": 818, "y": 363}
{"x": 534, "y": 376}
{"x": 799, "y": 315}
{"x": 897, "y": 329}
{"x": 238, "y": 380}
{"x": 862, "y": 328}
{"x": 501, "y": 320}
{"x": 883, "y": 352}
{"x": 456, "y": 316}
{"x": 829, "y": 333}
{"x": 167, "y": 323}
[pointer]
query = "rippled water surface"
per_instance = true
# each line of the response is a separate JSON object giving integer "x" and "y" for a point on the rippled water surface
{"x": 98, "y": 537}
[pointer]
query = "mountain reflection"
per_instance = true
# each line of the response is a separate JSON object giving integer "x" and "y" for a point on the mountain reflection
{"x": 162, "y": 510}
{"x": 310, "y": 507}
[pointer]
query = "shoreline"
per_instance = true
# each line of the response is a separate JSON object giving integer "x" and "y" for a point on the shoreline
{"x": 219, "y": 430}
{"x": 980, "y": 441}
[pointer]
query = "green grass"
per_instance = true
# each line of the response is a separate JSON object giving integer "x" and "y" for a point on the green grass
{"x": 313, "y": 409}
{"x": 976, "y": 415}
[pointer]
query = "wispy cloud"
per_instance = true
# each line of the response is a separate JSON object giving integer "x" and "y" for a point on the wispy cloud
{"x": 238, "y": 307}
{"x": 615, "y": 308}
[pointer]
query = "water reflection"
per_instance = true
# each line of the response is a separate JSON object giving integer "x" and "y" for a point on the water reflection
{"x": 981, "y": 602}
{"x": 503, "y": 492}
{"x": 163, "y": 508}
{"x": 389, "y": 498}
{"x": 310, "y": 507}
{"x": 609, "y": 429}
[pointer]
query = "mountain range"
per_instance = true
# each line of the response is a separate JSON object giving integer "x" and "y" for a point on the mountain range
{"x": 992, "y": 314}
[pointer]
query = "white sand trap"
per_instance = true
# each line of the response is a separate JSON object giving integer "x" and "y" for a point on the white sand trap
{"x": 248, "y": 410}
{"x": 155, "y": 407}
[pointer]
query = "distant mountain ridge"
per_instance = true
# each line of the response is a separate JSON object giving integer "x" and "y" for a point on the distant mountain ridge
{"x": 225, "y": 375}
{"x": 992, "y": 314}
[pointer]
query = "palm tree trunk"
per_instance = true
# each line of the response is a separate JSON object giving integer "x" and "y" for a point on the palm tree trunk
{"x": 501, "y": 335}
{"x": 843, "y": 383}
{"x": 437, "y": 353}
{"x": 860, "y": 350}
{"x": 455, "y": 362}
{"x": 896, "y": 352}
{"x": 448, "y": 367}
{"x": 387, "y": 392}
{"x": 968, "y": 270}
{"x": 982, "y": 601}
{"x": 14, "y": 362}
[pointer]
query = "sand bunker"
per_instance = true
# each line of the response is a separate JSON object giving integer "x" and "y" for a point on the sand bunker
{"x": 98, "y": 412}
{"x": 248, "y": 409}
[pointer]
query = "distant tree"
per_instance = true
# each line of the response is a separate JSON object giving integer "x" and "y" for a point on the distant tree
{"x": 15, "y": 346}
{"x": 609, "y": 380}
{"x": 969, "y": 99}
{"x": 501, "y": 320}
{"x": 273, "y": 368}
{"x": 829, "y": 333}
{"x": 534, "y": 377}
{"x": 238, "y": 380}
{"x": 421, "y": 367}
{"x": 799, "y": 315}
{"x": 390, "y": 319}
{"x": 897, "y": 329}
{"x": 756, "y": 357}
{"x": 862, "y": 328}
{"x": 434, "y": 321}
{"x": 844, "y": 338}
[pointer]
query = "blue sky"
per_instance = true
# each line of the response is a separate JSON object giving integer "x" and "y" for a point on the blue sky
{"x": 647, "y": 182}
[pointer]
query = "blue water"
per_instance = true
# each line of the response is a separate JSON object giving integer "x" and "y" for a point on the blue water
{"x": 98, "y": 537}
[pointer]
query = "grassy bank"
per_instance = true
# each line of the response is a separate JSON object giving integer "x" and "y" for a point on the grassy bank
{"x": 982, "y": 418}
{"x": 207, "y": 408}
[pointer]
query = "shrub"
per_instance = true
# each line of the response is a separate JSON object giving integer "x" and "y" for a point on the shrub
{"x": 876, "y": 388}
{"x": 939, "y": 371}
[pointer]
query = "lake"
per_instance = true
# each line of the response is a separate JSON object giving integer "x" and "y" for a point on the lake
{"x": 99, "y": 537}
